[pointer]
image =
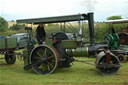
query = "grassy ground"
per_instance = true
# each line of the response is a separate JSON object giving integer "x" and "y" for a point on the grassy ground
{"x": 78, "y": 74}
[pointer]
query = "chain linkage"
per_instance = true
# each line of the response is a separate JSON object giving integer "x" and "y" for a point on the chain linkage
{"x": 86, "y": 62}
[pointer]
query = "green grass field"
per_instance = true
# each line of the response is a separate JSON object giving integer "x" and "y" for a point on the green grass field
{"x": 78, "y": 74}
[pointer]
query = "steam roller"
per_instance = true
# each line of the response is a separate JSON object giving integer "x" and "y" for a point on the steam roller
{"x": 45, "y": 58}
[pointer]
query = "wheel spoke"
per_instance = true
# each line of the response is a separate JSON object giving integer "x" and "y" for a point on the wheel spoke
{"x": 48, "y": 67}
{"x": 51, "y": 65}
{"x": 50, "y": 57}
{"x": 45, "y": 52}
{"x": 37, "y": 57}
{"x": 39, "y": 54}
{"x": 38, "y": 62}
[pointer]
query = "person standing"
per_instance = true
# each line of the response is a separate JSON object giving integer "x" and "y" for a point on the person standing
{"x": 40, "y": 34}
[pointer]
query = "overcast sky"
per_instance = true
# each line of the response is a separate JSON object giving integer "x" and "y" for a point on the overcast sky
{"x": 21, "y": 9}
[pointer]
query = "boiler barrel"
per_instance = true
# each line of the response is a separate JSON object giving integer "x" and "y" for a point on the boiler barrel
{"x": 78, "y": 52}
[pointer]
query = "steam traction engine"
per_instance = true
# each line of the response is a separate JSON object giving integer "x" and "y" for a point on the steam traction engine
{"x": 118, "y": 43}
{"x": 44, "y": 59}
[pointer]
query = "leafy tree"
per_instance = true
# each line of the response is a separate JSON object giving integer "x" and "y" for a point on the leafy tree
{"x": 17, "y": 27}
{"x": 3, "y": 24}
{"x": 114, "y": 17}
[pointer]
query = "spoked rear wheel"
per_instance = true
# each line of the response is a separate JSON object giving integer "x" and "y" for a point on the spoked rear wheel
{"x": 44, "y": 59}
{"x": 108, "y": 69}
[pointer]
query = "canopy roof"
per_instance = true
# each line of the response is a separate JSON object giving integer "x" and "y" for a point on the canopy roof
{"x": 117, "y": 21}
{"x": 56, "y": 19}
{"x": 67, "y": 18}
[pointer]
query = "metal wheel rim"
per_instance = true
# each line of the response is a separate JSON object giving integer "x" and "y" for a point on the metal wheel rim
{"x": 111, "y": 70}
{"x": 42, "y": 67}
{"x": 122, "y": 58}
